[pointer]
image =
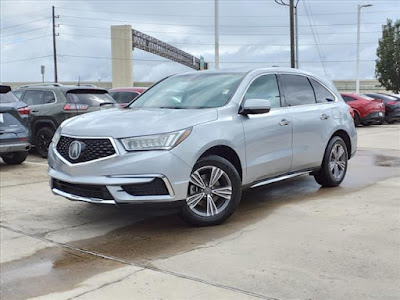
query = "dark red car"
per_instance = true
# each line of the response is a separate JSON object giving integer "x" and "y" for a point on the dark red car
{"x": 367, "y": 110}
{"x": 125, "y": 95}
{"x": 392, "y": 106}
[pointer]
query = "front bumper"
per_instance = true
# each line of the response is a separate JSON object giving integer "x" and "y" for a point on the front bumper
{"x": 124, "y": 169}
{"x": 14, "y": 147}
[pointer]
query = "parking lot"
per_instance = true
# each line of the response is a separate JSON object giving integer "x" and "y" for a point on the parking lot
{"x": 288, "y": 240}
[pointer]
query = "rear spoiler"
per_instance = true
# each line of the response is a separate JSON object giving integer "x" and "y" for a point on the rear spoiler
{"x": 4, "y": 89}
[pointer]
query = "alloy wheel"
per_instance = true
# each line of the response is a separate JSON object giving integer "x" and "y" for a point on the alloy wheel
{"x": 210, "y": 191}
{"x": 337, "y": 162}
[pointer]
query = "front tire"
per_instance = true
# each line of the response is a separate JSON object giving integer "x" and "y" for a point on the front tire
{"x": 214, "y": 192}
{"x": 14, "y": 158}
{"x": 43, "y": 140}
{"x": 334, "y": 165}
{"x": 356, "y": 119}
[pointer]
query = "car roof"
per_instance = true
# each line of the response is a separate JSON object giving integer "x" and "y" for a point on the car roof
{"x": 64, "y": 88}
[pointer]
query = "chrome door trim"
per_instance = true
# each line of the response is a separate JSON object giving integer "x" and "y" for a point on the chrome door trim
{"x": 279, "y": 178}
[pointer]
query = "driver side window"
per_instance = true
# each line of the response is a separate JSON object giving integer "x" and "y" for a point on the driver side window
{"x": 264, "y": 87}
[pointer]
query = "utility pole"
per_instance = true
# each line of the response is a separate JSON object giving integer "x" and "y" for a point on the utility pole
{"x": 293, "y": 32}
{"x": 54, "y": 45}
{"x": 297, "y": 38}
{"x": 359, "y": 7}
{"x": 292, "y": 47}
{"x": 216, "y": 16}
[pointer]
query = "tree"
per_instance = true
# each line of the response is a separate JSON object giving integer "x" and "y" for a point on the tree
{"x": 387, "y": 68}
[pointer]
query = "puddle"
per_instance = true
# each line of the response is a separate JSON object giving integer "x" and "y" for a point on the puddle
{"x": 56, "y": 269}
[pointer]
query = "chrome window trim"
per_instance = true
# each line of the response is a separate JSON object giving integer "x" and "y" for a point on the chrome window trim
{"x": 90, "y": 161}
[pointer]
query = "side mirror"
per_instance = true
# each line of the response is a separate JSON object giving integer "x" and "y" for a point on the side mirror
{"x": 255, "y": 106}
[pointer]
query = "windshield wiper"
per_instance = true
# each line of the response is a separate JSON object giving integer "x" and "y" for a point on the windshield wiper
{"x": 106, "y": 103}
{"x": 171, "y": 107}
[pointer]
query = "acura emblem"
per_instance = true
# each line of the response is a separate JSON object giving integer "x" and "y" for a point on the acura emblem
{"x": 75, "y": 150}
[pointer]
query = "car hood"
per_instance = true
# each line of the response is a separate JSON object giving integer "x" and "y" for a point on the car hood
{"x": 120, "y": 123}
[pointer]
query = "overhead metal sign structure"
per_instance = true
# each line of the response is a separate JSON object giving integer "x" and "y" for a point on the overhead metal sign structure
{"x": 150, "y": 44}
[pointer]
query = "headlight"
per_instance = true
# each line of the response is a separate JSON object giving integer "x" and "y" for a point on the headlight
{"x": 56, "y": 136}
{"x": 164, "y": 141}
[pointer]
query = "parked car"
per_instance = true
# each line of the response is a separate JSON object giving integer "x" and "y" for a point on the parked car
{"x": 51, "y": 104}
{"x": 14, "y": 136}
{"x": 125, "y": 95}
{"x": 392, "y": 106}
{"x": 367, "y": 110}
{"x": 202, "y": 137}
{"x": 7, "y": 98}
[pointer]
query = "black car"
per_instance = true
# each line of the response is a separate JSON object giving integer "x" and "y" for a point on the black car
{"x": 14, "y": 136}
{"x": 51, "y": 104}
{"x": 8, "y": 98}
{"x": 392, "y": 106}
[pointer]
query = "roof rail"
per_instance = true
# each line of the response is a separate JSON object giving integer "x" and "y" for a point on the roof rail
{"x": 87, "y": 84}
{"x": 40, "y": 84}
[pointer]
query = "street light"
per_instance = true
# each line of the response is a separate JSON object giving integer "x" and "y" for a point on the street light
{"x": 359, "y": 6}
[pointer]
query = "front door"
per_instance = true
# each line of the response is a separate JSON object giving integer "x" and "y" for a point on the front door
{"x": 268, "y": 136}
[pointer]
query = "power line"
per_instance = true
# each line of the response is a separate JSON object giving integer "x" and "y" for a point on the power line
{"x": 8, "y": 27}
{"x": 200, "y": 33}
{"x": 25, "y": 59}
{"x": 21, "y": 32}
{"x": 26, "y": 40}
{"x": 211, "y": 44}
{"x": 208, "y": 16}
{"x": 211, "y": 26}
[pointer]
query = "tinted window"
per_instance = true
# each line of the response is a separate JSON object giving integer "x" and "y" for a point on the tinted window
{"x": 91, "y": 99}
{"x": 348, "y": 99}
{"x": 298, "y": 90}
{"x": 124, "y": 97}
{"x": 33, "y": 97}
{"x": 18, "y": 93}
{"x": 321, "y": 93}
{"x": 265, "y": 87}
{"x": 8, "y": 98}
{"x": 48, "y": 97}
{"x": 8, "y": 120}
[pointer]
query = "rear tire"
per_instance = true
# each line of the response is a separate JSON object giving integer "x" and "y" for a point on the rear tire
{"x": 14, "y": 158}
{"x": 211, "y": 202}
{"x": 334, "y": 166}
{"x": 43, "y": 140}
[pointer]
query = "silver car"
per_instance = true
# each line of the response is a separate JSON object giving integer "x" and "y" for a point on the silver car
{"x": 197, "y": 139}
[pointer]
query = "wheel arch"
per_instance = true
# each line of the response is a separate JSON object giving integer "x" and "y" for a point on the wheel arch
{"x": 228, "y": 153}
{"x": 345, "y": 137}
{"x": 39, "y": 124}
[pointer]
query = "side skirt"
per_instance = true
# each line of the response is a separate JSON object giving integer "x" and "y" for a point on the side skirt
{"x": 280, "y": 178}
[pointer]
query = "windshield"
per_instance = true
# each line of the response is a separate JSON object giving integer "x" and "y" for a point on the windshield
{"x": 190, "y": 91}
{"x": 8, "y": 98}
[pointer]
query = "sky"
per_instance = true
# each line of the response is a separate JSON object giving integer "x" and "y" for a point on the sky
{"x": 253, "y": 33}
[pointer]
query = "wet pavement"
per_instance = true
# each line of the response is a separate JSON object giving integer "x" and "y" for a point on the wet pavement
{"x": 291, "y": 239}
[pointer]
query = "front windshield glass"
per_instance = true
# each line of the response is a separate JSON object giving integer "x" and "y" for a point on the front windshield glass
{"x": 190, "y": 91}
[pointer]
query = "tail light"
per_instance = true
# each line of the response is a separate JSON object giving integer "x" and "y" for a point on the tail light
{"x": 75, "y": 106}
{"x": 391, "y": 103}
{"x": 24, "y": 110}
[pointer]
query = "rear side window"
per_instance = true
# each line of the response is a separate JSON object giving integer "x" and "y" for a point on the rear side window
{"x": 8, "y": 98}
{"x": 33, "y": 97}
{"x": 264, "y": 87}
{"x": 321, "y": 93}
{"x": 48, "y": 97}
{"x": 93, "y": 98}
{"x": 124, "y": 97}
{"x": 298, "y": 90}
{"x": 18, "y": 93}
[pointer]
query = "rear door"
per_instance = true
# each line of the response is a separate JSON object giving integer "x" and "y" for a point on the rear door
{"x": 34, "y": 99}
{"x": 268, "y": 136}
{"x": 312, "y": 117}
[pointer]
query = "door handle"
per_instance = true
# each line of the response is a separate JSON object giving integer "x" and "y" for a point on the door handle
{"x": 324, "y": 117}
{"x": 34, "y": 111}
{"x": 284, "y": 122}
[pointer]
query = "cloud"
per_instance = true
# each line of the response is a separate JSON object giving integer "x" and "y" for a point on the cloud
{"x": 252, "y": 33}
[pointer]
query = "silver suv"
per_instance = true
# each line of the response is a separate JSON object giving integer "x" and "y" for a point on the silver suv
{"x": 197, "y": 139}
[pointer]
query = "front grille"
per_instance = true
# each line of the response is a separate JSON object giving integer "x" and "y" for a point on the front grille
{"x": 83, "y": 190}
{"x": 155, "y": 187}
{"x": 92, "y": 148}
